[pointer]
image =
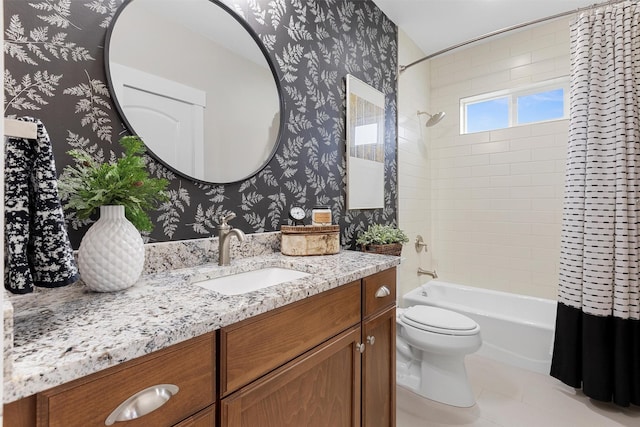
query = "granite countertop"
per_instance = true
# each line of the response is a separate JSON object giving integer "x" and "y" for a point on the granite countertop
{"x": 59, "y": 335}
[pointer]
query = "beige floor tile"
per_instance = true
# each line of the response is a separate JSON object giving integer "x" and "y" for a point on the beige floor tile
{"x": 486, "y": 374}
{"x": 507, "y": 412}
{"x": 513, "y": 397}
{"x": 416, "y": 411}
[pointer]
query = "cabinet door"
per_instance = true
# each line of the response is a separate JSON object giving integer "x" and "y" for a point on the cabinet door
{"x": 255, "y": 346}
{"x": 318, "y": 389}
{"x": 378, "y": 370}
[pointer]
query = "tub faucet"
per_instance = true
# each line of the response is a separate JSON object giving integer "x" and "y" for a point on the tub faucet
{"x": 225, "y": 231}
{"x": 428, "y": 273}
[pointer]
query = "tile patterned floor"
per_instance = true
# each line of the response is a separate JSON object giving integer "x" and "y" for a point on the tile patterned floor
{"x": 511, "y": 397}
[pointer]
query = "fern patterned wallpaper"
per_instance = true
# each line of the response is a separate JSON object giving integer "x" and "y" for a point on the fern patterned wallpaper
{"x": 54, "y": 70}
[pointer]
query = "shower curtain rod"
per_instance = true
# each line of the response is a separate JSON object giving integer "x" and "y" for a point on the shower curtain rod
{"x": 401, "y": 68}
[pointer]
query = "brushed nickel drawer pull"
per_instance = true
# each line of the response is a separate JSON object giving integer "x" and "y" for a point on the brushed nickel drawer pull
{"x": 382, "y": 292}
{"x": 360, "y": 347}
{"x": 371, "y": 339}
{"x": 141, "y": 403}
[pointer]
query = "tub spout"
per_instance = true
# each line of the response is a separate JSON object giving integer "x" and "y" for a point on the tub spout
{"x": 428, "y": 273}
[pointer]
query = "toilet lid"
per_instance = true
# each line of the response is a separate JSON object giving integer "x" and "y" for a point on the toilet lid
{"x": 439, "y": 320}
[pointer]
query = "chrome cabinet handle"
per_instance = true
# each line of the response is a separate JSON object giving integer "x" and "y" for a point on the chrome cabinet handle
{"x": 360, "y": 347}
{"x": 382, "y": 292}
{"x": 141, "y": 403}
{"x": 371, "y": 339}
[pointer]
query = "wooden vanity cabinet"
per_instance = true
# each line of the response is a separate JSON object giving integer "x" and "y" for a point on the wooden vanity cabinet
{"x": 318, "y": 389}
{"x": 297, "y": 365}
{"x": 204, "y": 418}
{"x": 20, "y": 413}
{"x": 327, "y": 361}
{"x": 260, "y": 344}
{"x": 379, "y": 356}
{"x": 88, "y": 401}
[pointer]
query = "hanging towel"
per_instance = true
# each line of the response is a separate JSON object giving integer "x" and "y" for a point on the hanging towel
{"x": 37, "y": 247}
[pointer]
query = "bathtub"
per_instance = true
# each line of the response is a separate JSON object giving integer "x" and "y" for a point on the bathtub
{"x": 515, "y": 329}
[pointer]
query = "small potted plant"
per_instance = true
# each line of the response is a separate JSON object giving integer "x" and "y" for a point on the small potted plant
{"x": 382, "y": 239}
{"x": 111, "y": 254}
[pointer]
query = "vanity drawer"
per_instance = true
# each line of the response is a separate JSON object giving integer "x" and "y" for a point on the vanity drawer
{"x": 89, "y": 401}
{"x": 379, "y": 291}
{"x": 253, "y": 347}
{"x": 204, "y": 418}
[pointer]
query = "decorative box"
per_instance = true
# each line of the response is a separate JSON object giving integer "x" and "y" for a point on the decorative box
{"x": 302, "y": 240}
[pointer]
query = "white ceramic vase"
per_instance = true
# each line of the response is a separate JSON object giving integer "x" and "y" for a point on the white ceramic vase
{"x": 111, "y": 254}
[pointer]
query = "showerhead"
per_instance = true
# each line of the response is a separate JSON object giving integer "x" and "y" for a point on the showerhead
{"x": 433, "y": 118}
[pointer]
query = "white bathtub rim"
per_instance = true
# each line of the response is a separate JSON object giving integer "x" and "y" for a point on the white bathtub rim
{"x": 484, "y": 290}
{"x": 467, "y": 308}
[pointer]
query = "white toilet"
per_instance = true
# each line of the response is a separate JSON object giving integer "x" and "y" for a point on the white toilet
{"x": 431, "y": 345}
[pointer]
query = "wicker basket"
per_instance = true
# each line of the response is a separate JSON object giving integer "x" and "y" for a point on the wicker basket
{"x": 388, "y": 249}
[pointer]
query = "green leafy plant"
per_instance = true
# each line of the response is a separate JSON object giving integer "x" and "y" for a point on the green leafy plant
{"x": 378, "y": 234}
{"x": 87, "y": 185}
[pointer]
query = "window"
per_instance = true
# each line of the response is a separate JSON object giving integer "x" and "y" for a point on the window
{"x": 541, "y": 102}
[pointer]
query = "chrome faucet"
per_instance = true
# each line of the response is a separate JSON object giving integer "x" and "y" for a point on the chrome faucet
{"x": 428, "y": 273}
{"x": 225, "y": 231}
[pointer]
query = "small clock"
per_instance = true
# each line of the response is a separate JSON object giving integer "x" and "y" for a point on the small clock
{"x": 297, "y": 214}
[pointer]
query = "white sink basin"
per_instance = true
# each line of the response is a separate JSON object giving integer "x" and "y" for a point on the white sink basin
{"x": 241, "y": 283}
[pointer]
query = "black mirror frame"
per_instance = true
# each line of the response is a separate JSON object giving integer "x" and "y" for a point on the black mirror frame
{"x": 272, "y": 67}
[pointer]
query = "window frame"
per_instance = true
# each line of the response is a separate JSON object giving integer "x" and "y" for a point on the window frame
{"x": 513, "y": 95}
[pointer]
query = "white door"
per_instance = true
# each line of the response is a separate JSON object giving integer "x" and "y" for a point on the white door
{"x": 168, "y": 116}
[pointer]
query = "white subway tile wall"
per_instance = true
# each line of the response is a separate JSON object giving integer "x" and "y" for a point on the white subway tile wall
{"x": 495, "y": 197}
{"x": 414, "y": 190}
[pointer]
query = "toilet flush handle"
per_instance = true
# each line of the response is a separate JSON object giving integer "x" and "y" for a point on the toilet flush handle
{"x": 382, "y": 292}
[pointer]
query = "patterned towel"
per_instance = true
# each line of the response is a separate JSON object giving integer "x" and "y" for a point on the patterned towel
{"x": 37, "y": 247}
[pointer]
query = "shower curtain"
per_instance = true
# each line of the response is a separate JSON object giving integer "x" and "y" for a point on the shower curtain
{"x": 597, "y": 339}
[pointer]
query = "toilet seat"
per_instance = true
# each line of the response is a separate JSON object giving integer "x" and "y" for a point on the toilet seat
{"x": 439, "y": 321}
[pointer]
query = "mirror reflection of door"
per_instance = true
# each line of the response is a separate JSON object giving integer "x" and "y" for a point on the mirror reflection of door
{"x": 169, "y": 117}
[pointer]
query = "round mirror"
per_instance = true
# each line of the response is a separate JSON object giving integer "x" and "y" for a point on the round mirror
{"x": 196, "y": 85}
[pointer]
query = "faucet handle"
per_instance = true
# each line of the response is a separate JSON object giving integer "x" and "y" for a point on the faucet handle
{"x": 224, "y": 219}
